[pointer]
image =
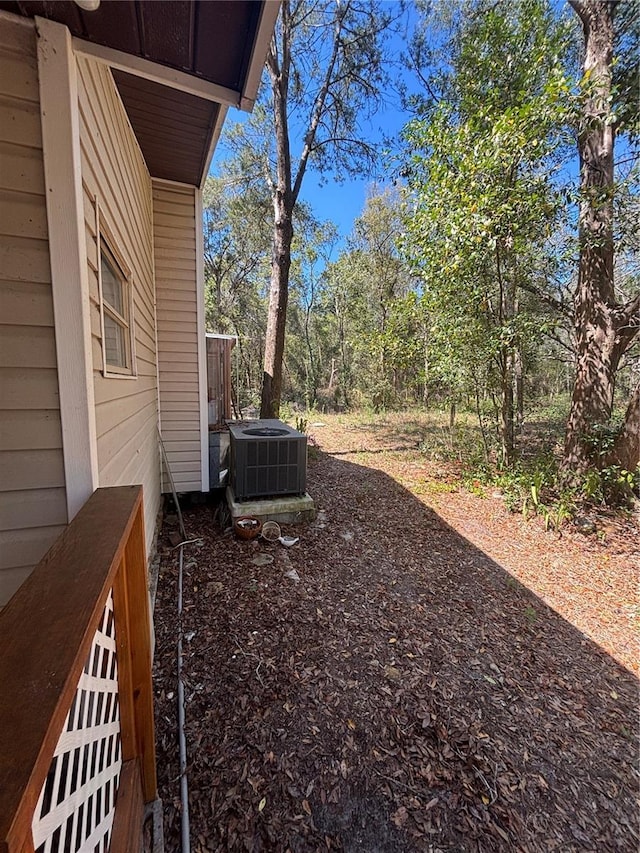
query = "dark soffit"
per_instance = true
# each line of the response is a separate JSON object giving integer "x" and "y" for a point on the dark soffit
{"x": 174, "y": 129}
{"x": 212, "y": 41}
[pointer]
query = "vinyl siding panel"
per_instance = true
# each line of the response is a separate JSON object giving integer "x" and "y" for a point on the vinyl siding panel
{"x": 20, "y": 120}
{"x": 25, "y": 259}
{"x": 21, "y": 168}
{"x": 24, "y": 429}
{"x": 30, "y": 388}
{"x": 27, "y": 303}
{"x": 31, "y": 469}
{"x": 28, "y": 346}
{"x": 25, "y": 548}
{"x": 115, "y": 178}
{"x": 32, "y": 488}
{"x": 45, "y": 507}
{"x": 174, "y": 231}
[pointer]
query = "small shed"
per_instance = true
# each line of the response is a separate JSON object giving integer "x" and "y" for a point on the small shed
{"x": 219, "y": 376}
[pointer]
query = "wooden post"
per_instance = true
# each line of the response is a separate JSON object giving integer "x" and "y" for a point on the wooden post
{"x": 126, "y": 834}
{"x": 125, "y": 677}
{"x": 139, "y": 635}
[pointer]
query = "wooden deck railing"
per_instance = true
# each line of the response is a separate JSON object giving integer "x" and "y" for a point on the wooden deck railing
{"x": 77, "y": 753}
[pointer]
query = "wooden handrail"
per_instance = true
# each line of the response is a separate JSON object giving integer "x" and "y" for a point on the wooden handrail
{"x": 46, "y": 632}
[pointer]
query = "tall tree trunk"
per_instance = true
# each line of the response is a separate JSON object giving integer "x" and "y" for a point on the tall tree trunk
{"x": 286, "y": 188}
{"x": 603, "y": 329}
{"x": 283, "y": 203}
{"x": 346, "y": 367}
{"x": 507, "y": 427}
{"x": 507, "y": 312}
{"x": 332, "y": 375}
{"x": 425, "y": 389}
{"x": 277, "y": 317}
{"x": 518, "y": 379}
{"x": 626, "y": 449}
{"x": 312, "y": 371}
{"x": 485, "y": 440}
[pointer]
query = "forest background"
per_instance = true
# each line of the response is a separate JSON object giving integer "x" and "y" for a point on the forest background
{"x": 463, "y": 285}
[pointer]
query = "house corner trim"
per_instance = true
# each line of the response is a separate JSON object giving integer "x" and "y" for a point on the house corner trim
{"x": 202, "y": 346}
{"x": 67, "y": 247}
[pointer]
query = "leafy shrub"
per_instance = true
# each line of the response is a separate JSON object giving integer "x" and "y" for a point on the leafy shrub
{"x": 535, "y": 490}
{"x": 611, "y": 486}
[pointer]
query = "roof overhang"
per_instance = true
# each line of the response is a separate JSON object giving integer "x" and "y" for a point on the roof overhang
{"x": 178, "y": 65}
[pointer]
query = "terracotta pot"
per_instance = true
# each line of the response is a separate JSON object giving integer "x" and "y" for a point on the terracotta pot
{"x": 247, "y": 527}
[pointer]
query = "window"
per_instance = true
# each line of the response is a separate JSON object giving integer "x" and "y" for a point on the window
{"x": 116, "y": 314}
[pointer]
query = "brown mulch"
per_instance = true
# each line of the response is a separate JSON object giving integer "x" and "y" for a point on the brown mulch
{"x": 442, "y": 677}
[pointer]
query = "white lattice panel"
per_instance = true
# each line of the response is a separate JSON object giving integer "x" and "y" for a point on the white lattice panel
{"x": 77, "y": 802}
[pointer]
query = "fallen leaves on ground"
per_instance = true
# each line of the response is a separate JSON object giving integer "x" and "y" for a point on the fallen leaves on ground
{"x": 412, "y": 690}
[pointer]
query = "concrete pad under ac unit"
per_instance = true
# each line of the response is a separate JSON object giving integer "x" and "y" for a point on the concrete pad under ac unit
{"x": 294, "y": 509}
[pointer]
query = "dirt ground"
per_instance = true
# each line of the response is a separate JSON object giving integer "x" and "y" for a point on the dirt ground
{"x": 423, "y": 671}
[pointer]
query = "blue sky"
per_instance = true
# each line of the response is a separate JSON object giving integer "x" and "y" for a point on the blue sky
{"x": 342, "y": 202}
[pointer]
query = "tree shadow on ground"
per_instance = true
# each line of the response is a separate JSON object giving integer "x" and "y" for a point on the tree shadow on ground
{"x": 407, "y": 694}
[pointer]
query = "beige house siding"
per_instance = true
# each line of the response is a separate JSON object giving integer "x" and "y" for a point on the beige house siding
{"x": 174, "y": 231}
{"x": 33, "y": 506}
{"x": 115, "y": 178}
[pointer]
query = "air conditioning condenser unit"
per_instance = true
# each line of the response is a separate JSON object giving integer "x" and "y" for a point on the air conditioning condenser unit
{"x": 268, "y": 459}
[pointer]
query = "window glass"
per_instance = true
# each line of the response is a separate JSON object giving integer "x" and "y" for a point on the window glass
{"x": 111, "y": 285}
{"x": 115, "y": 342}
{"x": 116, "y": 314}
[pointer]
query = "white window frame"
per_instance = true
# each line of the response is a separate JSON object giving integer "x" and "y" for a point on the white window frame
{"x": 105, "y": 238}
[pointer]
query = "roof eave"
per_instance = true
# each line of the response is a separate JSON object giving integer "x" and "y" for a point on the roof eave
{"x": 268, "y": 18}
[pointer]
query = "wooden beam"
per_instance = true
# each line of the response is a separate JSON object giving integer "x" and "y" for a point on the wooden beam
{"x": 122, "y": 619}
{"x": 139, "y": 630}
{"x": 266, "y": 25}
{"x": 217, "y": 130}
{"x": 157, "y": 73}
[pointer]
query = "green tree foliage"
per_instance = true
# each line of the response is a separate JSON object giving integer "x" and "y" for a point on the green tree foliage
{"x": 237, "y": 246}
{"x": 376, "y": 312}
{"x": 308, "y": 341}
{"x": 484, "y": 201}
{"x": 460, "y": 285}
{"x": 625, "y": 68}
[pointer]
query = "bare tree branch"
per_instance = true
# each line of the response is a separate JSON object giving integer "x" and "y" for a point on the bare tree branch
{"x": 319, "y": 104}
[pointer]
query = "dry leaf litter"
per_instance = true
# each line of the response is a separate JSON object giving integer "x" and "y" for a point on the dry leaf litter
{"x": 422, "y": 671}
